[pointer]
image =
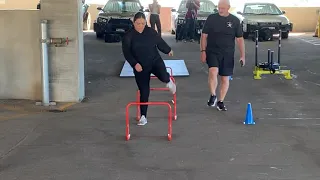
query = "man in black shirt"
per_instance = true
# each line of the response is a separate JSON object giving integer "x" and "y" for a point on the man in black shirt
{"x": 217, "y": 50}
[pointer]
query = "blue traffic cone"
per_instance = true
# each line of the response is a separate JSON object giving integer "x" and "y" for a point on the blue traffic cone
{"x": 249, "y": 117}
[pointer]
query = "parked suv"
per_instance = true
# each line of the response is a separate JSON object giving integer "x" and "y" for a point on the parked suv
{"x": 265, "y": 17}
{"x": 115, "y": 18}
{"x": 207, "y": 7}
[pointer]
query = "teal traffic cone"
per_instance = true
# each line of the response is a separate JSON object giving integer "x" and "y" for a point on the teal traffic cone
{"x": 249, "y": 117}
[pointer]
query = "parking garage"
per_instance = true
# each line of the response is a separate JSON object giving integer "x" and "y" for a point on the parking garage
{"x": 78, "y": 131}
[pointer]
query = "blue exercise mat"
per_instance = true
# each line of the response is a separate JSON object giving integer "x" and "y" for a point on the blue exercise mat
{"x": 178, "y": 67}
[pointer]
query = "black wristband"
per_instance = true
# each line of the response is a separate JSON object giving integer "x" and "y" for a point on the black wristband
{"x": 202, "y": 50}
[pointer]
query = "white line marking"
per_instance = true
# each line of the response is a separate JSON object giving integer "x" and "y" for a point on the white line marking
{"x": 261, "y": 101}
{"x": 288, "y": 102}
{"x": 311, "y": 72}
{"x": 300, "y": 114}
{"x": 275, "y": 168}
{"x": 315, "y": 42}
{"x": 312, "y": 83}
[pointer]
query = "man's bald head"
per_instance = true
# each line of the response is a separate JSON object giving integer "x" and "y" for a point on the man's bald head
{"x": 223, "y": 7}
{"x": 225, "y": 2}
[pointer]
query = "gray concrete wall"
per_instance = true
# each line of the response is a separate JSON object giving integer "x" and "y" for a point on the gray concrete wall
{"x": 20, "y": 49}
{"x": 66, "y": 64}
{"x": 19, "y": 4}
{"x": 20, "y": 68}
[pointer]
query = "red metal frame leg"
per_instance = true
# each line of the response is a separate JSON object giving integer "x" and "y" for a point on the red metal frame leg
{"x": 169, "y": 135}
{"x": 169, "y": 122}
{"x": 174, "y": 101}
{"x": 127, "y": 123}
{"x": 138, "y": 107}
{"x": 171, "y": 71}
{"x": 175, "y": 106}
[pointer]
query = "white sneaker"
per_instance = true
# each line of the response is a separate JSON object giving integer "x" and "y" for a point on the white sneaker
{"x": 143, "y": 121}
{"x": 172, "y": 87}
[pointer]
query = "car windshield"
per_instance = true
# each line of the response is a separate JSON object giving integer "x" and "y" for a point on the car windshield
{"x": 122, "y": 6}
{"x": 261, "y": 9}
{"x": 205, "y": 7}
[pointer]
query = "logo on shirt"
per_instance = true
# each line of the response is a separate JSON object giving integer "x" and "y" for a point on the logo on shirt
{"x": 229, "y": 24}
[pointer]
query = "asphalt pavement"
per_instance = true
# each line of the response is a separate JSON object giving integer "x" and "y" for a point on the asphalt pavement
{"x": 87, "y": 142}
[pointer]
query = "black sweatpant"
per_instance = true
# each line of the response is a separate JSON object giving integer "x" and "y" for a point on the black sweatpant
{"x": 155, "y": 20}
{"x": 143, "y": 81}
{"x": 189, "y": 30}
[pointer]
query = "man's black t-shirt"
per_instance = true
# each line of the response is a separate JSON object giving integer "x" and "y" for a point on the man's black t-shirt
{"x": 222, "y": 32}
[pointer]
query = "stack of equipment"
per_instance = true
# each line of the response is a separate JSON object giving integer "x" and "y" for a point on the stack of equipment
{"x": 269, "y": 67}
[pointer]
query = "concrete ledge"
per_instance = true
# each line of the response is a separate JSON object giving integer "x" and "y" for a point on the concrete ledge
{"x": 31, "y": 107}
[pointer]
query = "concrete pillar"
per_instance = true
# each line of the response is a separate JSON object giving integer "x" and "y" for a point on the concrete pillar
{"x": 66, "y": 64}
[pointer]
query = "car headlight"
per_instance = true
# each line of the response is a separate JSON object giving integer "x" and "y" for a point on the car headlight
{"x": 285, "y": 22}
{"x": 102, "y": 20}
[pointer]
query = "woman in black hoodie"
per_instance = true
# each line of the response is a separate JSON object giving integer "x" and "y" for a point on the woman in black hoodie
{"x": 140, "y": 48}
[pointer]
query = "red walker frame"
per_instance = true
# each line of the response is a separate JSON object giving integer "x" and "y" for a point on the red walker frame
{"x": 174, "y": 101}
{"x": 149, "y": 103}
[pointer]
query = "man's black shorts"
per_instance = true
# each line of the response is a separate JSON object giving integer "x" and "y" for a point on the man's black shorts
{"x": 223, "y": 61}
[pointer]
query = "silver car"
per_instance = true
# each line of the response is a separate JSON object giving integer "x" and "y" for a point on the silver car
{"x": 265, "y": 17}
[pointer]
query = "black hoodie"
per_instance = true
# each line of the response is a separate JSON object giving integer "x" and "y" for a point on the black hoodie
{"x": 143, "y": 47}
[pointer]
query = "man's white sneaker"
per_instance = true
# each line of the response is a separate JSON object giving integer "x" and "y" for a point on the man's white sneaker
{"x": 143, "y": 121}
{"x": 172, "y": 87}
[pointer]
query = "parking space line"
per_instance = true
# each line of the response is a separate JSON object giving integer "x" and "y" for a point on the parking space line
{"x": 315, "y": 42}
{"x": 5, "y": 118}
{"x": 13, "y": 108}
{"x": 19, "y": 110}
{"x": 292, "y": 118}
{"x": 66, "y": 106}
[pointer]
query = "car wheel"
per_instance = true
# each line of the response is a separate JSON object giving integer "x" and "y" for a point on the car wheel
{"x": 99, "y": 35}
{"x": 285, "y": 35}
{"x": 106, "y": 38}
